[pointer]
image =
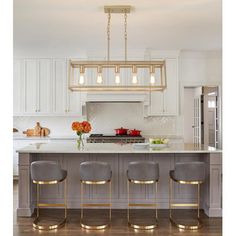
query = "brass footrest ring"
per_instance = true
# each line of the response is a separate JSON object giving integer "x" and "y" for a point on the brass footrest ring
{"x": 142, "y": 227}
{"x": 182, "y": 226}
{"x": 95, "y": 227}
{"x": 36, "y": 225}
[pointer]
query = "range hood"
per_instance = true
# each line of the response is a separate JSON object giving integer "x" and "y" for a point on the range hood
{"x": 143, "y": 98}
{"x": 118, "y": 97}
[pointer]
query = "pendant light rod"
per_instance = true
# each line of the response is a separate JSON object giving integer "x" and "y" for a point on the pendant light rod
{"x": 108, "y": 35}
{"x": 125, "y": 33}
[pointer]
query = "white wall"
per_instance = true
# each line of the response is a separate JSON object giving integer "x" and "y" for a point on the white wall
{"x": 195, "y": 68}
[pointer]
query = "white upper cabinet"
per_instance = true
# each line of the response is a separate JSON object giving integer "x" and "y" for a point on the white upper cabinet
{"x": 18, "y": 86}
{"x": 41, "y": 88}
{"x": 171, "y": 94}
{"x": 65, "y": 101}
{"x": 45, "y": 86}
{"x": 165, "y": 103}
{"x": 156, "y": 103}
{"x": 31, "y": 81}
{"x": 59, "y": 86}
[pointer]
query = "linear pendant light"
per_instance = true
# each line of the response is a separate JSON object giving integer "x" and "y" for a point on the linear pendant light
{"x": 154, "y": 80}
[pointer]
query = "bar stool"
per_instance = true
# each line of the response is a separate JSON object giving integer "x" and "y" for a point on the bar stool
{"x": 95, "y": 173}
{"x": 142, "y": 172}
{"x": 187, "y": 173}
{"x": 48, "y": 172}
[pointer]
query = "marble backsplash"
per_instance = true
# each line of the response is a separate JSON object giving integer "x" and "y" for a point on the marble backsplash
{"x": 104, "y": 118}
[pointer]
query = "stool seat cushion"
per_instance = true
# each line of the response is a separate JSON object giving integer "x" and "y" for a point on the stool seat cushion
{"x": 95, "y": 171}
{"x": 47, "y": 171}
{"x": 189, "y": 171}
{"x": 143, "y": 171}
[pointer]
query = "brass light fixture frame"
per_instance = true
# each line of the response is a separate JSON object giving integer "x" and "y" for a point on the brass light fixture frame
{"x": 195, "y": 205}
{"x": 117, "y": 64}
{"x": 74, "y": 85}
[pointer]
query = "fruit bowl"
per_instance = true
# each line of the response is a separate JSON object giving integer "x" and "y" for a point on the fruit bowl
{"x": 158, "y": 142}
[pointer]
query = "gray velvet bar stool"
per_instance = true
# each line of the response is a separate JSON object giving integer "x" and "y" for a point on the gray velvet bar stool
{"x": 95, "y": 173}
{"x": 48, "y": 173}
{"x": 192, "y": 173}
{"x": 142, "y": 172}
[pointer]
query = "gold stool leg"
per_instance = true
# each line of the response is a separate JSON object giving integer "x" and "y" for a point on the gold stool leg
{"x": 36, "y": 222}
{"x": 137, "y": 226}
{"x": 94, "y": 227}
{"x": 172, "y": 219}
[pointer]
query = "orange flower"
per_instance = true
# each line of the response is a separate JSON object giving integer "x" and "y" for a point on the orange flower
{"x": 75, "y": 125}
{"x": 81, "y": 127}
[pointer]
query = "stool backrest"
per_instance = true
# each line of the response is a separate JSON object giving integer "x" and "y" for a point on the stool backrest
{"x": 46, "y": 171}
{"x": 143, "y": 171}
{"x": 190, "y": 171}
{"x": 95, "y": 171}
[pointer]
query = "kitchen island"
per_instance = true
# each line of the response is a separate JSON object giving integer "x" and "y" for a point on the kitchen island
{"x": 118, "y": 156}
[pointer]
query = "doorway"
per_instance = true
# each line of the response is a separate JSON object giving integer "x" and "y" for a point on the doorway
{"x": 201, "y": 115}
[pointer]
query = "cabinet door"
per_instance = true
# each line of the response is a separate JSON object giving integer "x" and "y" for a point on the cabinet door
{"x": 73, "y": 98}
{"x": 31, "y": 81}
{"x": 157, "y": 103}
{"x": 59, "y": 86}
{"x": 171, "y": 92}
{"x": 18, "y": 86}
{"x": 45, "y": 87}
{"x": 74, "y": 103}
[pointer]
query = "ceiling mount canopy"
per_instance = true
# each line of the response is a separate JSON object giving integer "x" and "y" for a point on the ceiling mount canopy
{"x": 117, "y": 75}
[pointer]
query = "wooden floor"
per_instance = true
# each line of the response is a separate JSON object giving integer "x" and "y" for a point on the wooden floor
{"x": 23, "y": 226}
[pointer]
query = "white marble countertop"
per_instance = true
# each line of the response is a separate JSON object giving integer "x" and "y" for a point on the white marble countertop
{"x": 63, "y": 137}
{"x": 71, "y": 147}
{"x": 74, "y": 137}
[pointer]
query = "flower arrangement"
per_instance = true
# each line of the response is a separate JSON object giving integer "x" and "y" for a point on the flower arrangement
{"x": 81, "y": 128}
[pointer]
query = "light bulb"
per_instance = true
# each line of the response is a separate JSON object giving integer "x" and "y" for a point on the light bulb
{"x": 81, "y": 79}
{"x": 134, "y": 80}
{"x": 117, "y": 78}
{"x": 152, "y": 79}
{"x": 99, "y": 78}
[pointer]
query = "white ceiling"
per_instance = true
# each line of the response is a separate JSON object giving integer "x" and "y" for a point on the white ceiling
{"x": 78, "y": 27}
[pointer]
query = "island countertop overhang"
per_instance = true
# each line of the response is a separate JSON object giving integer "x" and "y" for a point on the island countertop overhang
{"x": 71, "y": 147}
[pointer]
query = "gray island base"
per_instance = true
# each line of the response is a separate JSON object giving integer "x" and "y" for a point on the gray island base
{"x": 118, "y": 156}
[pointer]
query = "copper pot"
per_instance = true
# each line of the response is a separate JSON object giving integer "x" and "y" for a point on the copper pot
{"x": 121, "y": 131}
{"x": 134, "y": 132}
